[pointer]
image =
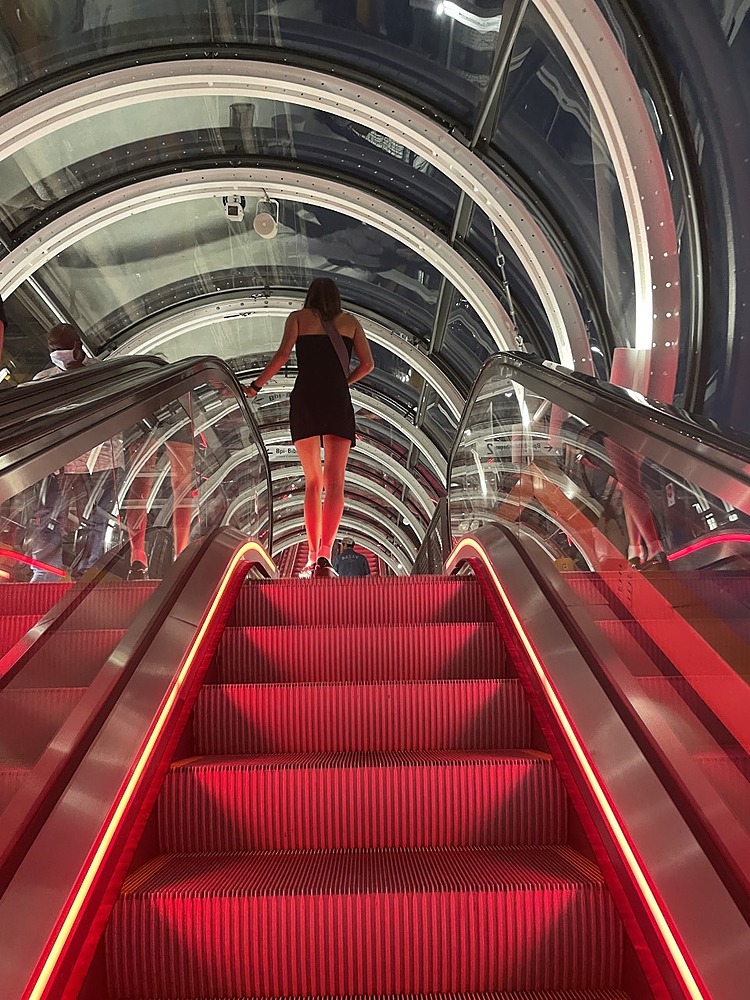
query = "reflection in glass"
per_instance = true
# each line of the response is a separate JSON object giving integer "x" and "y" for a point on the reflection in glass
{"x": 450, "y": 46}
{"x": 548, "y": 129}
{"x": 120, "y": 142}
{"x": 438, "y": 421}
{"x": 467, "y": 343}
{"x": 188, "y": 249}
{"x": 82, "y": 544}
{"x": 658, "y": 562}
{"x": 532, "y": 319}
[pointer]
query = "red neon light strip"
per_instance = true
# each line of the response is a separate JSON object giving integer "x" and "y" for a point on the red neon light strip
{"x": 28, "y": 561}
{"x": 627, "y": 850}
{"x": 38, "y": 990}
{"x": 704, "y": 543}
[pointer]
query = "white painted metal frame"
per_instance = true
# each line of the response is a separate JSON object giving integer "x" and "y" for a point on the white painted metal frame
{"x": 615, "y": 98}
{"x": 370, "y": 486}
{"x": 381, "y": 461}
{"x": 290, "y": 512}
{"x": 151, "y": 336}
{"x": 195, "y": 185}
{"x": 397, "y": 560}
{"x": 336, "y": 96}
{"x": 363, "y": 400}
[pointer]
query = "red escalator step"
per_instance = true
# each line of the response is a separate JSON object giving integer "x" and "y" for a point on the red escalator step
{"x": 360, "y": 653}
{"x": 515, "y": 995}
{"x": 30, "y": 598}
{"x": 400, "y": 600}
{"x": 29, "y": 718}
{"x": 71, "y": 658}
{"x": 12, "y": 628}
{"x": 273, "y": 924}
{"x": 11, "y": 779}
{"x": 335, "y": 717}
{"x": 111, "y": 604}
{"x": 362, "y": 800}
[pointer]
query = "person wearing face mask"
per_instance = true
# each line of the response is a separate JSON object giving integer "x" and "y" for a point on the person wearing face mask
{"x": 65, "y": 352}
{"x": 81, "y": 495}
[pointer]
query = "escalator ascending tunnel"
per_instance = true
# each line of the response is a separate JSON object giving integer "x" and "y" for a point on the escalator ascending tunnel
{"x": 465, "y": 783}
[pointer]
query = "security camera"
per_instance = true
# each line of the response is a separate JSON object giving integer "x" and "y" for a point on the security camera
{"x": 234, "y": 207}
{"x": 266, "y": 221}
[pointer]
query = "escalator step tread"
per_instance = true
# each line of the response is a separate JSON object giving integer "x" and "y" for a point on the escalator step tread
{"x": 405, "y": 799}
{"x": 361, "y": 872}
{"x": 360, "y": 652}
{"x": 364, "y": 922}
{"x": 336, "y": 717}
{"x": 603, "y": 994}
{"x": 407, "y": 600}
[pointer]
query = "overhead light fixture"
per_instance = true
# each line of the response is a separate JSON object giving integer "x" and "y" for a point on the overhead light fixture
{"x": 469, "y": 20}
{"x": 266, "y": 221}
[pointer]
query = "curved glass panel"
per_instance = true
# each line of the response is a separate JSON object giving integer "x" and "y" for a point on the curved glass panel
{"x": 25, "y": 350}
{"x": 663, "y": 123}
{"x": 186, "y": 249}
{"x": 437, "y": 420}
{"x": 186, "y": 130}
{"x": 77, "y": 545}
{"x": 443, "y": 52}
{"x": 467, "y": 343}
{"x": 549, "y": 130}
{"x": 531, "y": 317}
{"x": 659, "y": 560}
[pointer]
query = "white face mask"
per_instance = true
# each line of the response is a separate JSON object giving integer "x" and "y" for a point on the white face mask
{"x": 62, "y": 358}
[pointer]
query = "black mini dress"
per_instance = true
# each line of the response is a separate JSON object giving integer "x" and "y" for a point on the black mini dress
{"x": 320, "y": 402}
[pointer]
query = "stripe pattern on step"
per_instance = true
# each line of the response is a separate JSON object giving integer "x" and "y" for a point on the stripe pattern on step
{"x": 398, "y": 601}
{"x": 361, "y": 800}
{"x": 277, "y": 923}
{"x": 363, "y": 653}
{"x": 325, "y": 718}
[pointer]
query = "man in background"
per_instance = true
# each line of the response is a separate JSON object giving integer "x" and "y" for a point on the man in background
{"x": 350, "y": 563}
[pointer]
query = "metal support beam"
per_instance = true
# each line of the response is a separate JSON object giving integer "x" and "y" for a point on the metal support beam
{"x": 514, "y": 12}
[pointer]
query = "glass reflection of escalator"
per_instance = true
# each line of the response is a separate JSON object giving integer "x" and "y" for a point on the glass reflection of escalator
{"x": 38, "y": 699}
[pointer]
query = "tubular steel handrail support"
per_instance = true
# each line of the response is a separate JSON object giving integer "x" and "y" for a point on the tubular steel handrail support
{"x": 439, "y": 526}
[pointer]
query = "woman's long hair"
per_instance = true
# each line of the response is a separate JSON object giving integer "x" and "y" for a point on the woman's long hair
{"x": 323, "y": 297}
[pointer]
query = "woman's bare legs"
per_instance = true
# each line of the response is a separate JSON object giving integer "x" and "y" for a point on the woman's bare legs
{"x": 181, "y": 477}
{"x": 336, "y": 451}
{"x": 308, "y": 450}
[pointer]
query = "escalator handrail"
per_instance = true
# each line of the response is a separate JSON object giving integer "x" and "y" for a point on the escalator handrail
{"x": 24, "y": 399}
{"x": 645, "y": 425}
{"x": 197, "y": 593}
{"x": 579, "y": 666}
{"x": 31, "y": 452}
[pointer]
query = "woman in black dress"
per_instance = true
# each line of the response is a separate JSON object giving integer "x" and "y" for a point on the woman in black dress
{"x": 320, "y": 409}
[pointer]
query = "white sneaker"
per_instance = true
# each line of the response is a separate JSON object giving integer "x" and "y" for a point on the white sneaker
{"x": 324, "y": 570}
{"x": 307, "y": 572}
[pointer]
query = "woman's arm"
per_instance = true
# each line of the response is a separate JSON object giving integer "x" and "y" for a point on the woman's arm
{"x": 280, "y": 358}
{"x": 362, "y": 348}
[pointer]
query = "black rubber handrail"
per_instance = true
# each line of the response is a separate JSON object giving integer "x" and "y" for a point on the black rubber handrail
{"x": 50, "y": 428}
{"x": 684, "y": 443}
{"x": 76, "y": 386}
